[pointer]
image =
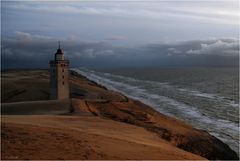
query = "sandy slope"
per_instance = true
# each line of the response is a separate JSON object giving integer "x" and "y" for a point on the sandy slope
{"x": 85, "y": 137}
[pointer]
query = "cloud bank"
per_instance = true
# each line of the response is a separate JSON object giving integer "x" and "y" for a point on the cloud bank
{"x": 25, "y": 50}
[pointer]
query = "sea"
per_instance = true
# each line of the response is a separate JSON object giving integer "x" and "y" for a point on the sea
{"x": 205, "y": 97}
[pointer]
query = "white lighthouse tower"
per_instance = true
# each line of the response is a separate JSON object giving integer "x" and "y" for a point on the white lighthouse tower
{"x": 59, "y": 70}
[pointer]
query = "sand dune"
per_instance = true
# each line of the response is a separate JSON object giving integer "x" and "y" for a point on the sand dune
{"x": 95, "y": 124}
{"x": 85, "y": 137}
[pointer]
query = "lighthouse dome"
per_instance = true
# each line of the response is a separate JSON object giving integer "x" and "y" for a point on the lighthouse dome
{"x": 59, "y": 54}
{"x": 59, "y": 51}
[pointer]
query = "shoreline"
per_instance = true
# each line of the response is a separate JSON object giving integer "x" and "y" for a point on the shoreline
{"x": 91, "y": 98}
{"x": 194, "y": 107}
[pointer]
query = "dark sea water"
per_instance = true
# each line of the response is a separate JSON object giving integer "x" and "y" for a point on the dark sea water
{"x": 207, "y": 98}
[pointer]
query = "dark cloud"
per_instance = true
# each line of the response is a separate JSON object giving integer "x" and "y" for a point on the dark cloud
{"x": 26, "y": 50}
{"x": 224, "y": 47}
{"x": 116, "y": 37}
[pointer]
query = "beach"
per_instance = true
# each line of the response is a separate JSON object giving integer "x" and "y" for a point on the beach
{"x": 96, "y": 123}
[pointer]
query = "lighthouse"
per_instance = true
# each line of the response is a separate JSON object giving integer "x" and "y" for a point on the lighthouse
{"x": 59, "y": 75}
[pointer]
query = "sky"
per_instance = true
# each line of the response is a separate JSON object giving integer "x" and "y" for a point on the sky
{"x": 108, "y": 34}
